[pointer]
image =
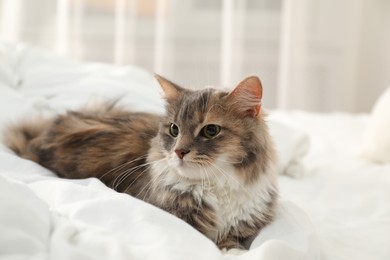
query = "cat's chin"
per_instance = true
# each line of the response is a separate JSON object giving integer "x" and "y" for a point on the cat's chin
{"x": 188, "y": 171}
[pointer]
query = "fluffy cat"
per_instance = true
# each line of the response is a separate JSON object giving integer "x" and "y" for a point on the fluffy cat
{"x": 209, "y": 161}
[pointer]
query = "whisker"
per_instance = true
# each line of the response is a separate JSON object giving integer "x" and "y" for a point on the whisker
{"x": 152, "y": 181}
{"x": 121, "y": 166}
{"x": 129, "y": 172}
{"x": 231, "y": 162}
{"x": 243, "y": 189}
{"x": 124, "y": 175}
{"x": 203, "y": 186}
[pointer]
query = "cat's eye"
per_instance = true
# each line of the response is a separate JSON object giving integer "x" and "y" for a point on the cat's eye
{"x": 210, "y": 131}
{"x": 174, "y": 130}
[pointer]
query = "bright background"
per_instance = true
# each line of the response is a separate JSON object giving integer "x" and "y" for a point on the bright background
{"x": 317, "y": 55}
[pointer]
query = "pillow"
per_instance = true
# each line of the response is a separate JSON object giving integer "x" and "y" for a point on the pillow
{"x": 376, "y": 141}
{"x": 291, "y": 143}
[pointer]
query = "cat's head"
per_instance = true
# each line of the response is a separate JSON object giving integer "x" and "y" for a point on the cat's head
{"x": 211, "y": 135}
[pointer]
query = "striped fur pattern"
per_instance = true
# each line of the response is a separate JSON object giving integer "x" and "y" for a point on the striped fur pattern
{"x": 219, "y": 179}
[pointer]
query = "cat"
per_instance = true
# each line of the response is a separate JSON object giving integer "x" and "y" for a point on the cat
{"x": 209, "y": 161}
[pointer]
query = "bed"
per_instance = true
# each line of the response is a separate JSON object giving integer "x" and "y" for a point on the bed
{"x": 334, "y": 204}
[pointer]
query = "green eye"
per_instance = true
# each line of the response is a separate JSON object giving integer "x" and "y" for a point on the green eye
{"x": 210, "y": 131}
{"x": 174, "y": 130}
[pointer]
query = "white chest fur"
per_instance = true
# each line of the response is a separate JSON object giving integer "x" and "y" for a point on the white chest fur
{"x": 234, "y": 205}
{"x": 232, "y": 200}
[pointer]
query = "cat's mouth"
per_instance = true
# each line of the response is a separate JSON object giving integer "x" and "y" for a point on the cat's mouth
{"x": 188, "y": 169}
{"x": 191, "y": 164}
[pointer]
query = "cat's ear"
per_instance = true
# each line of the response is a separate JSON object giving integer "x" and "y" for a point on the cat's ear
{"x": 171, "y": 90}
{"x": 246, "y": 97}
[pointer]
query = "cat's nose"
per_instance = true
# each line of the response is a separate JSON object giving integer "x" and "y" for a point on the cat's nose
{"x": 181, "y": 152}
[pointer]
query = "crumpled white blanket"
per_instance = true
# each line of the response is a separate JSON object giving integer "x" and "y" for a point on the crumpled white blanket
{"x": 44, "y": 217}
{"x": 58, "y": 219}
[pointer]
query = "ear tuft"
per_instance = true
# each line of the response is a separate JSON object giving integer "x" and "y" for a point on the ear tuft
{"x": 171, "y": 90}
{"x": 246, "y": 97}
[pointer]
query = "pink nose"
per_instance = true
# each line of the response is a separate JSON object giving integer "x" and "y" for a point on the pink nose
{"x": 181, "y": 153}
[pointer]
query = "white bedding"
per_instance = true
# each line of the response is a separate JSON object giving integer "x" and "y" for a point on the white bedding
{"x": 345, "y": 201}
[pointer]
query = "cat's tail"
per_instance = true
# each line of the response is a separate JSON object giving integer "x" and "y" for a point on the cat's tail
{"x": 20, "y": 137}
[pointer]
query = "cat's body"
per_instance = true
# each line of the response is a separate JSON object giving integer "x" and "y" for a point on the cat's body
{"x": 209, "y": 161}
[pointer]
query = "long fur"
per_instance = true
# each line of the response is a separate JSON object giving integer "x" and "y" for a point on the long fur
{"x": 18, "y": 137}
